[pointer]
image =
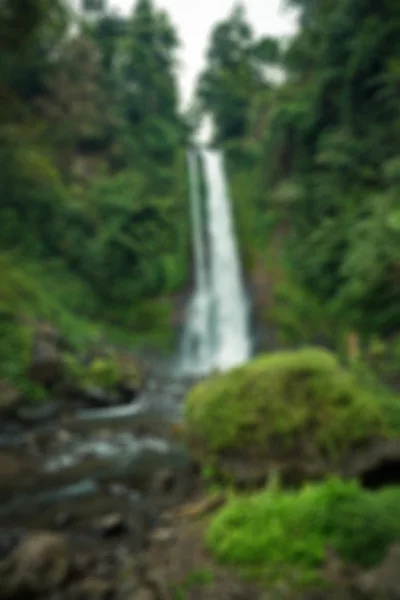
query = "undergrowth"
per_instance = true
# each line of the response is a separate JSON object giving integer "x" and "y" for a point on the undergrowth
{"x": 277, "y": 533}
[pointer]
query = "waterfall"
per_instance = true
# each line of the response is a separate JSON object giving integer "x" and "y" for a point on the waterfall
{"x": 217, "y": 330}
{"x": 197, "y": 349}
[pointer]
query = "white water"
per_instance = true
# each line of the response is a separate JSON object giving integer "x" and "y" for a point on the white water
{"x": 197, "y": 343}
{"x": 217, "y": 332}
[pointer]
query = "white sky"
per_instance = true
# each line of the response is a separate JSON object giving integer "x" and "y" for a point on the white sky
{"x": 194, "y": 21}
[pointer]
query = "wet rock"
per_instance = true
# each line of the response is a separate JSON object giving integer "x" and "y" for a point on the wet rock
{"x": 83, "y": 563}
{"x": 163, "y": 535}
{"x": 46, "y": 361}
{"x": 38, "y": 414}
{"x": 40, "y": 564}
{"x": 9, "y": 398}
{"x": 97, "y": 396}
{"x": 128, "y": 391}
{"x": 112, "y": 525}
{"x": 13, "y": 469}
{"x": 63, "y": 520}
{"x": 164, "y": 482}
{"x": 8, "y": 541}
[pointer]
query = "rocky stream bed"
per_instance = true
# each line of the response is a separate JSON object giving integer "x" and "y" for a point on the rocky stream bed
{"x": 105, "y": 504}
{"x": 82, "y": 491}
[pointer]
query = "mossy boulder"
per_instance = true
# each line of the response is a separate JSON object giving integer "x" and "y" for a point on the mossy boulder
{"x": 299, "y": 413}
{"x": 105, "y": 378}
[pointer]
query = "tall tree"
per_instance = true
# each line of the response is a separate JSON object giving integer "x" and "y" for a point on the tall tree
{"x": 233, "y": 75}
{"x": 148, "y": 71}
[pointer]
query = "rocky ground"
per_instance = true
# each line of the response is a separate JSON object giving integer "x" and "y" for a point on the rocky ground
{"x": 169, "y": 562}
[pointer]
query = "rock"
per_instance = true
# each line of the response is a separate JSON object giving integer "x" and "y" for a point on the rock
{"x": 40, "y": 564}
{"x": 9, "y": 398}
{"x": 62, "y": 520}
{"x": 37, "y": 414}
{"x": 94, "y": 589}
{"x": 288, "y": 412}
{"x": 8, "y": 541}
{"x": 384, "y": 580}
{"x": 97, "y": 396}
{"x": 163, "y": 535}
{"x": 46, "y": 361}
{"x": 163, "y": 482}
{"x": 12, "y": 468}
{"x": 375, "y": 465}
{"x": 143, "y": 593}
{"x": 128, "y": 390}
{"x": 112, "y": 525}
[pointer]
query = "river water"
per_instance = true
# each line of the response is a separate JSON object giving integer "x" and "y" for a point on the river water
{"x": 91, "y": 461}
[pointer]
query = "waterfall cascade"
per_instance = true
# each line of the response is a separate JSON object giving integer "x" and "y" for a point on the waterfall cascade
{"x": 217, "y": 333}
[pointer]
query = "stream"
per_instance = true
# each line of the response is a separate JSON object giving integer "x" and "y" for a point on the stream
{"x": 70, "y": 470}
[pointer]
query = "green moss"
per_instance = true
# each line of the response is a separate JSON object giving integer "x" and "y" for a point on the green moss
{"x": 299, "y": 403}
{"x": 280, "y": 533}
{"x": 103, "y": 371}
{"x": 100, "y": 372}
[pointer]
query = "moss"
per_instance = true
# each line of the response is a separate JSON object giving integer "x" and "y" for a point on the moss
{"x": 286, "y": 533}
{"x": 105, "y": 371}
{"x": 300, "y": 404}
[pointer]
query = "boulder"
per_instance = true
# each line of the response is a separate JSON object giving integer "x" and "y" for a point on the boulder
{"x": 9, "y": 398}
{"x": 15, "y": 470}
{"x": 112, "y": 525}
{"x": 46, "y": 360}
{"x": 97, "y": 396}
{"x": 103, "y": 379}
{"x": 384, "y": 580}
{"x": 299, "y": 414}
{"x": 130, "y": 376}
{"x": 39, "y": 565}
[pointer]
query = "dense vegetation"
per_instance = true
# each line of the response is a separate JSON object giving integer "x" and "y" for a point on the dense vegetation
{"x": 311, "y": 130}
{"x": 92, "y": 181}
{"x": 314, "y": 157}
{"x": 92, "y": 169}
{"x": 94, "y": 240}
{"x": 284, "y": 535}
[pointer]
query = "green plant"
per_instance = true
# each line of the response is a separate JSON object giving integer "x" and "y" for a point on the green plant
{"x": 278, "y": 532}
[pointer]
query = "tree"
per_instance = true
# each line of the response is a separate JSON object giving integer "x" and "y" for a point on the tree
{"x": 234, "y": 74}
{"x": 147, "y": 68}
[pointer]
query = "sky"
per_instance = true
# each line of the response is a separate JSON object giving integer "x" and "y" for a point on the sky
{"x": 194, "y": 21}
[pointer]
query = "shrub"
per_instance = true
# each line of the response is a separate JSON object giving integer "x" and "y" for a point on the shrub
{"x": 280, "y": 531}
